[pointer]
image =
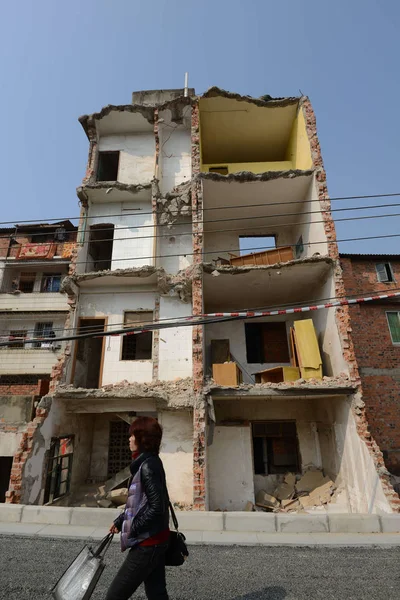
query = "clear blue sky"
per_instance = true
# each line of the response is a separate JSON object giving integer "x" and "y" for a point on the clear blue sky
{"x": 63, "y": 59}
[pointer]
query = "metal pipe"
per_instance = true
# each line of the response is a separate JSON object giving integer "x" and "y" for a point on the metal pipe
{"x": 186, "y": 91}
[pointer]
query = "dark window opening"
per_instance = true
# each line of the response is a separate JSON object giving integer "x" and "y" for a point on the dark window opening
{"x": 42, "y": 238}
{"x": 108, "y": 166}
{"x": 17, "y": 336}
{"x": 89, "y": 354}
{"x": 101, "y": 247}
{"x": 220, "y": 170}
{"x": 137, "y": 346}
{"x": 119, "y": 454}
{"x": 275, "y": 447}
{"x": 384, "y": 272}
{"x": 51, "y": 283}
{"x": 26, "y": 282}
{"x": 43, "y": 330}
{"x": 256, "y": 243}
{"x": 59, "y": 468}
{"x": 266, "y": 343}
{"x": 5, "y": 472}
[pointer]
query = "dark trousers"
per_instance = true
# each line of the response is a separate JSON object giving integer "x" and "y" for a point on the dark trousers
{"x": 144, "y": 564}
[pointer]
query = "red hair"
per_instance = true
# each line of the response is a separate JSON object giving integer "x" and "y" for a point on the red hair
{"x": 148, "y": 433}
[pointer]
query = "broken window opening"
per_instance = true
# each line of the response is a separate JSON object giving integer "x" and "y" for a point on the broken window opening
{"x": 275, "y": 447}
{"x": 89, "y": 355}
{"x": 107, "y": 169}
{"x": 299, "y": 249}
{"x": 394, "y": 326}
{"x": 267, "y": 343}
{"x": 59, "y": 468}
{"x": 5, "y": 472}
{"x": 26, "y": 282}
{"x": 101, "y": 242}
{"x": 42, "y": 238}
{"x": 17, "y": 336}
{"x": 384, "y": 272}
{"x": 119, "y": 454}
{"x": 51, "y": 283}
{"x": 138, "y": 346}
{"x": 256, "y": 243}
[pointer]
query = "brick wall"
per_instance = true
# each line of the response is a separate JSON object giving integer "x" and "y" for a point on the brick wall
{"x": 29, "y": 389}
{"x": 378, "y": 359}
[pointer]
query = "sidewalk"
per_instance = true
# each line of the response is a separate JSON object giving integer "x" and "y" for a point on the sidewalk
{"x": 212, "y": 538}
{"x": 212, "y": 528}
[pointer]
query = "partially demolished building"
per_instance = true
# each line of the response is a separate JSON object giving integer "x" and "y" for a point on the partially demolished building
{"x": 207, "y": 206}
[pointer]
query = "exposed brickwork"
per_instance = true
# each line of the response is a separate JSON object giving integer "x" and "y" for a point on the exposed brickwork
{"x": 377, "y": 357}
{"x": 13, "y": 496}
{"x": 29, "y": 389}
{"x": 199, "y": 413}
{"x": 343, "y": 314}
{"x": 156, "y": 339}
{"x": 91, "y": 168}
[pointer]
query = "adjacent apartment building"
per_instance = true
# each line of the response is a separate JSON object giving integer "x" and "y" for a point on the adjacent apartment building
{"x": 376, "y": 337}
{"x": 34, "y": 259}
{"x": 212, "y": 206}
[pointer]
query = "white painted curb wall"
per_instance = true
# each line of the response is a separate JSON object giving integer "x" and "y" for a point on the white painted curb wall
{"x": 210, "y": 521}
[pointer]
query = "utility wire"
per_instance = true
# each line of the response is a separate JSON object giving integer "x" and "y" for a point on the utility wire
{"x": 230, "y": 250}
{"x": 335, "y": 199}
{"x": 89, "y": 328}
{"x": 272, "y": 216}
{"x": 202, "y": 320}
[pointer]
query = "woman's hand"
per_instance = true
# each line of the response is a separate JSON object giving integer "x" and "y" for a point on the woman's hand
{"x": 113, "y": 529}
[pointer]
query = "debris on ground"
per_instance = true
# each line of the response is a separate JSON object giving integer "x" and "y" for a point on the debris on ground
{"x": 295, "y": 493}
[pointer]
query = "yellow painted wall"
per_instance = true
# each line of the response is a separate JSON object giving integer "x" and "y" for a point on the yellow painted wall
{"x": 253, "y": 167}
{"x": 298, "y": 151}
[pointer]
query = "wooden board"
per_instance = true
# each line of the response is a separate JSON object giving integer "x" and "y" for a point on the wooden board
{"x": 277, "y": 375}
{"x": 227, "y": 374}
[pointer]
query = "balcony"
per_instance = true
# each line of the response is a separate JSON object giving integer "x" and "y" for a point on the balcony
{"x": 34, "y": 302}
{"x": 46, "y": 251}
{"x": 15, "y": 361}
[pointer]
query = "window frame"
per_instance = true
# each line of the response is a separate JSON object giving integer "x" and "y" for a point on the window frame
{"x": 397, "y": 312}
{"x": 52, "y": 276}
{"x": 387, "y": 266}
{"x": 123, "y": 337}
{"x": 103, "y": 153}
{"x": 39, "y": 345}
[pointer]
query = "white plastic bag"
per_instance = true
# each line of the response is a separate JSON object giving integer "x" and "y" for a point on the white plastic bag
{"x": 80, "y": 579}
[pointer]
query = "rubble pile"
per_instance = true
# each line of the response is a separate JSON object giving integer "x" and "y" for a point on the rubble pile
{"x": 296, "y": 493}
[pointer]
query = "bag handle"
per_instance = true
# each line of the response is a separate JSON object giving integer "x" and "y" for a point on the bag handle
{"x": 173, "y": 515}
{"x": 103, "y": 546}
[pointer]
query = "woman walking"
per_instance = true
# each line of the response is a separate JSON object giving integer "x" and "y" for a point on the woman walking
{"x": 144, "y": 525}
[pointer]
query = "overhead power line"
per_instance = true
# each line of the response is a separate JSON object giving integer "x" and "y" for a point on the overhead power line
{"x": 258, "y": 217}
{"x": 231, "y": 250}
{"x": 208, "y": 318}
{"x": 89, "y": 328}
{"x": 302, "y": 201}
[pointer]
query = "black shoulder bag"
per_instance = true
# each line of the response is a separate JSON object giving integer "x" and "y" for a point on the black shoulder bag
{"x": 177, "y": 551}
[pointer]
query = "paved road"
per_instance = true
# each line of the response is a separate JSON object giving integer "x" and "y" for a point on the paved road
{"x": 29, "y": 567}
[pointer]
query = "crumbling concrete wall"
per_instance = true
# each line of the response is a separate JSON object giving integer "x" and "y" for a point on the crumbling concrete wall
{"x": 136, "y": 158}
{"x": 177, "y": 455}
{"x": 175, "y": 149}
{"x": 112, "y": 305}
{"x": 175, "y": 344}
{"x": 231, "y": 477}
{"x": 133, "y": 231}
{"x": 354, "y": 466}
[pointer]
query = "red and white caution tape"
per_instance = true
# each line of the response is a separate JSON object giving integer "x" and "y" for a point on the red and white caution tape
{"x": 289, "y": 311}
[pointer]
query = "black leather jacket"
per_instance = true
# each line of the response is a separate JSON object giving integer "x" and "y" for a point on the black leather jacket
{"x": 154, "y": 517}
